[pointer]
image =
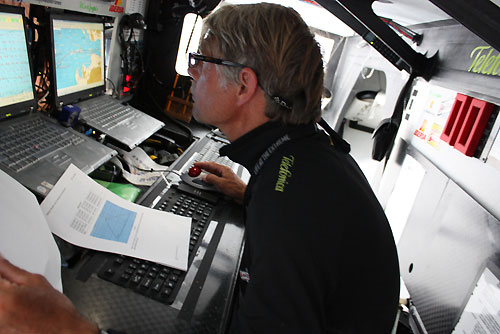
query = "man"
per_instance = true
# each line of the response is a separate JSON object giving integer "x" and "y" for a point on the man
{"x": 319, "y": 254}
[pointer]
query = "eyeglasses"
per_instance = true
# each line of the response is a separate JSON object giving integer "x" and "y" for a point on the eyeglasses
{"x": 195, "y": 58}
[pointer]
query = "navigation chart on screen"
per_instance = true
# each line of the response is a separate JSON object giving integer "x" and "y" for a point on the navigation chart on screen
{"x": 114, "y": 223}
{"x": 15, "y": 76}
{"x": 78, "y": 55}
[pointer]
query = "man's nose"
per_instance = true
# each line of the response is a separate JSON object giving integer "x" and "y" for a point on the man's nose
{"x": 193, "y": 72}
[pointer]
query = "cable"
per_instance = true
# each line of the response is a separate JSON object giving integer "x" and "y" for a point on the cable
{"x": 131, "y": 55}
{"x": 191, "y": 34}
{"x": 173, "y": 120}
{"x": 406, "y": 32}
{"x": 151, "y": 170}
{"x": 169, "y": 171}
{"x": 114, "y": 88}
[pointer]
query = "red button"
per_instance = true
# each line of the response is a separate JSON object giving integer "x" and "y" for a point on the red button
{"x": 194, "y": 171}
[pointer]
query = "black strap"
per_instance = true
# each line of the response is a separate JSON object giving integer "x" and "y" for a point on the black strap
{"x": 338, "y": 141}
{"x": 397, "y": 115}
{"x": 385, "y": 133}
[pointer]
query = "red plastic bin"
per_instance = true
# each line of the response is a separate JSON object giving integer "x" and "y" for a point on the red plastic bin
{"x": 473, "y": 126}
{"x": 456, "y": 119}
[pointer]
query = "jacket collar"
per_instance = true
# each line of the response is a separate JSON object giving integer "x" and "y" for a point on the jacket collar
{"x": 250, "y": 148}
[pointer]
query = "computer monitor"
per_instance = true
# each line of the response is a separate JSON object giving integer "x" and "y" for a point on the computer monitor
{"x": 16, "y": 84}
{"x": 78, "y": 57}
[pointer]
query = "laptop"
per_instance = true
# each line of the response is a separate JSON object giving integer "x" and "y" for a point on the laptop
{"x": 34, "y": 149}
{"x": 79, "y": 79}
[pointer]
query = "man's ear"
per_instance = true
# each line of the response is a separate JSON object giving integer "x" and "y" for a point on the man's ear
{"x": 249, "y": 85}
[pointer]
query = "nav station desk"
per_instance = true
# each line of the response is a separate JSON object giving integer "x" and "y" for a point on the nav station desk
{"x": 204, "y": 301}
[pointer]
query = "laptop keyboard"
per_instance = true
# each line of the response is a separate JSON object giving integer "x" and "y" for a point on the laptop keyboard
{"x": 151, "y": 279}
{"x": 29, "y": 141}
{"x": 106, "y": 113}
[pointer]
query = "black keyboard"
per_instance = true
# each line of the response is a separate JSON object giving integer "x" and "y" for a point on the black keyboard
{"x": 24, "y": 143}
{"x": 151, "y": 279}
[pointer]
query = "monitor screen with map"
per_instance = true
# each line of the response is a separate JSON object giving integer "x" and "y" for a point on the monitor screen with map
{"x": 15, "y": 74}
{"x": 78, "y": 54}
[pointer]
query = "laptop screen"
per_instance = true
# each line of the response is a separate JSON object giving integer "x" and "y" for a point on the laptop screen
{"x": 15, "y": 74}
{"x": 78, "y": 51}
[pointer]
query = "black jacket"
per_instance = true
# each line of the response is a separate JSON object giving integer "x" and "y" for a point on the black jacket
{"x": 319, "y": 254}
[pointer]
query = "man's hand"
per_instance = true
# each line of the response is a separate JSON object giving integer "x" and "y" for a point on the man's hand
{"x": 29, "y": 304}
{"x": 225, "y": 179}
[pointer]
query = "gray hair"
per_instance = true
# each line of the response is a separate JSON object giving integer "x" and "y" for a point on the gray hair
{"x": 277, "y": 44}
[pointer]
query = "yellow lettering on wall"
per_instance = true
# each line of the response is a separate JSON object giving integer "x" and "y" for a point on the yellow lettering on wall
{"x": 485, "y": 62}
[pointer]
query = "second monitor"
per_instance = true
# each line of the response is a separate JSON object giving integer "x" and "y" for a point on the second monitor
{"x": 79, "y": 78}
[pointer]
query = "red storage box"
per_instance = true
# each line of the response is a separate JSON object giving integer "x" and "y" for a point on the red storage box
{"x": 456, "y": 119}
{"x": 473, "y": 126}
